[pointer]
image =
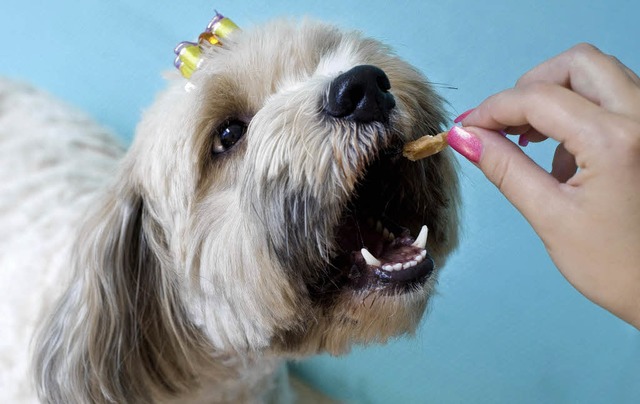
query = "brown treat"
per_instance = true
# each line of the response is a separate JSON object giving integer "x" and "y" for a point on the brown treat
{"x": 425, "y": 146}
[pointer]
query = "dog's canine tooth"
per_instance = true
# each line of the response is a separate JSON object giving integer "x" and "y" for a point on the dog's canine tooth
{"x": 421, "y": 240}
{"x": 369, "y": 258}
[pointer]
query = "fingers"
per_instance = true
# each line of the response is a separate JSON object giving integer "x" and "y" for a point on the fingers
{"x": 520, "y": 179}
{"x": 584, "y": 70}
{"x": 579, "y": 98}
{"x": 549, "y": 109}
{"x": 598, "y": 77}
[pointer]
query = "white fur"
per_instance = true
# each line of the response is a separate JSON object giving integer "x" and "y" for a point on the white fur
{"x": 169, "y": 275}
{"x": 52, "y": 161}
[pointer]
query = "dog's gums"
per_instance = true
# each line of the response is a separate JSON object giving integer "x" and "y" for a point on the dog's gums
{"x": 375, "y": 252}
{"x": 393, "y": 264}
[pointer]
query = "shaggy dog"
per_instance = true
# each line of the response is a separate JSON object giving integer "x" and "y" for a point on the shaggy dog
{"x": 264, "y": 213}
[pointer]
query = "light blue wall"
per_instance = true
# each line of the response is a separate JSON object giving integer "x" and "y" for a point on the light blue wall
{"x": 505, "y": 327}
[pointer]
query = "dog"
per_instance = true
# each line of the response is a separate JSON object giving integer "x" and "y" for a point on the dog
{"x": 263, "y": 213}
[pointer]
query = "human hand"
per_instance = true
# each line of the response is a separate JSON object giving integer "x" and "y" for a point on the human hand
{"x": 587, "y": 210}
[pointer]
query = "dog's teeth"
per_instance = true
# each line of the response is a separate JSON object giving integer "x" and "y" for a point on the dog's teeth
{"x": 407, "y": 265}
{"x": 387, "y": 267}
{"x": 379, "y": 227}
{"x": 418, "y": 258}
{"x": 421, "y": 240}
{"x": 385, "y": 233}
{"x": 369, "y": 258}
{"x": 392, "y": 236}
{"x": 397, "y": 267}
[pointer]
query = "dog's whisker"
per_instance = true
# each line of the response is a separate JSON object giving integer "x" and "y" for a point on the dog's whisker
{"x": 443, "y": 85}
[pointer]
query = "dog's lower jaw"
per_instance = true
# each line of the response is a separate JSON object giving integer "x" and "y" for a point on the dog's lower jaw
{"x": 355, "y": 318}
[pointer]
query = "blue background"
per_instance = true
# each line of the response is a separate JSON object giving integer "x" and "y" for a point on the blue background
{"x": 505, "y": 327}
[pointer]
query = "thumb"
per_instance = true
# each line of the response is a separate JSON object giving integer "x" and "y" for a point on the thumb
{"x": 533, "y": 191}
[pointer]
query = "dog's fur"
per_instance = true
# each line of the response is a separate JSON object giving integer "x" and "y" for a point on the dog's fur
{"x": 171, "y": 274}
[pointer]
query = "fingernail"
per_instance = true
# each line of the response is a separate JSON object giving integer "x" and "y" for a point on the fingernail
{"x": 463, "y": 115}
{"x": 503, "y": 133}
{"x": 465, "y": 143}
{"x": 523, "y": 141}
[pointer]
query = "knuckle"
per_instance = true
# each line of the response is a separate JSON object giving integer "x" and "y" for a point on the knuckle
{"x": 524, "y": 79}
{"x": 585, "y": 54}
{"x": 489, "y": 108}
{"x": 614, "y": 60}
{"x": 490, "y": 103}
{"x": 585, "y": 49}
{"x": 630, "y": 136}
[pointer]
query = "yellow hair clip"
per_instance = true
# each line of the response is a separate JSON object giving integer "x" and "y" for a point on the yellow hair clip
{"x": 188, "y": 54}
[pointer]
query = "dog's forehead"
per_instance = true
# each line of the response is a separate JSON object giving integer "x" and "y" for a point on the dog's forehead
{"x": 265, "y": 58}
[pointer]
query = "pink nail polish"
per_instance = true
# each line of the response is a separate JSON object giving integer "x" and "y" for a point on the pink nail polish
{"x": 463, "y": 115}
{"x": 523, "y": 141}
{"x": 465, "y": 143}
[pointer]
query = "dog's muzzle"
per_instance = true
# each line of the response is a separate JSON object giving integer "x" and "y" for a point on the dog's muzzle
{"x": 361, "y": 95}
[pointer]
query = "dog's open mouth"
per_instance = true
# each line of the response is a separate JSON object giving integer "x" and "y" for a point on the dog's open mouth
{"x": 375, "y": 250}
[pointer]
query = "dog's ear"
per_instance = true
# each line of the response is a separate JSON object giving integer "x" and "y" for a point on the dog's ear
{"x": 119, "y": 332}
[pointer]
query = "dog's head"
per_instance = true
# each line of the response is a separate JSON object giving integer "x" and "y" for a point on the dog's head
{"x": 276, "y": 169}
{"x": 264, "y": 208}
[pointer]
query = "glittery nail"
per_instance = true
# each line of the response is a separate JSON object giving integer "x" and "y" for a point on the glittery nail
{"x": 465, "y": 143}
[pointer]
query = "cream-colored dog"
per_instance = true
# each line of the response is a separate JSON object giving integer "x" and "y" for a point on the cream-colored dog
{"x": 262, "y": 215}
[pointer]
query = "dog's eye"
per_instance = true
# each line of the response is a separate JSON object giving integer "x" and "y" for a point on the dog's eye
{"x": 227, "y": 135}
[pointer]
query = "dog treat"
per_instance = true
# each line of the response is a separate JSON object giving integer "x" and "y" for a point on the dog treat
{"x": 425, "y": 146}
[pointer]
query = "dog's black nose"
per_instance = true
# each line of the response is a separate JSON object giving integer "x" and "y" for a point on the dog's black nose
{"x": 361, "y": 95}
